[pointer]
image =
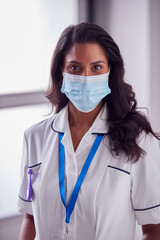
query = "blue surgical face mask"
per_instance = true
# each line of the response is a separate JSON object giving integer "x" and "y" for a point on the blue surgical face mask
{"x": 85, "y": 92}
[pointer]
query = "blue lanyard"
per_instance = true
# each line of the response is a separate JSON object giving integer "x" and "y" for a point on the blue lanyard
{"x": 72, "y": 201}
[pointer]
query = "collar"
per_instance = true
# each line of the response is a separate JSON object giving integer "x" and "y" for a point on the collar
{"x": 59, "y": 123}
{"x": 99, "y": 126}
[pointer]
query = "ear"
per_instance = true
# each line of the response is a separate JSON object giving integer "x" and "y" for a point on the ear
{"x": 60, "y": 83}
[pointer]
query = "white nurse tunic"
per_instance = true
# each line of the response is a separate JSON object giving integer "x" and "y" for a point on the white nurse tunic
{"x": 115, "y": 196}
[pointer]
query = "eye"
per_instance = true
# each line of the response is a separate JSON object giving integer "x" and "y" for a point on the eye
{"x": 74, "y": 68}
{"x": 97, "y": 67}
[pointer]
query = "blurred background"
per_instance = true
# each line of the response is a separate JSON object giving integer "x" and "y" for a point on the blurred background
{"x": 29, "y": 31}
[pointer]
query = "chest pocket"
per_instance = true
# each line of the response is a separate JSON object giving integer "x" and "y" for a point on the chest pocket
{"x": 33, "y": 172}
{"x": 119, "y": 179}
{"x": 115, "y": 188}
{"x": 113, "y": 201}
{"x": 119, "y": 186}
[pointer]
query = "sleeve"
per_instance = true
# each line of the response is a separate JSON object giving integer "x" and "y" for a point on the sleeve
{"x": 145, "y": 174}
{"x": 24, "y": 206}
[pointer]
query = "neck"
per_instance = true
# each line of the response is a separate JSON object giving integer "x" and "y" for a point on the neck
{"x": 80, "y": 119}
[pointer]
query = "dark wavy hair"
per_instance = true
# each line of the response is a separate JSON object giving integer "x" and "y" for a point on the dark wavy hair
{"x": 125, "y": 122}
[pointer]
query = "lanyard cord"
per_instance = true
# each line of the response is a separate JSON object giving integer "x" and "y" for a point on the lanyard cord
{"x": 72, "y": 201}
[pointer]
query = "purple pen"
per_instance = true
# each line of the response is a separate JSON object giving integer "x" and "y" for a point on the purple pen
{"x": 29, "y": 188}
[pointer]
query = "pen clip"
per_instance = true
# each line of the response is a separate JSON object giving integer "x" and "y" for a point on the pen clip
{"x": 29, "y": 187}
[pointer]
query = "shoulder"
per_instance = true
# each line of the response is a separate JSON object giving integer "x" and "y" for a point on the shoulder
{"x": 34, "y": 139}
{"x": 55, "y": 123}
{"x": 148, "y": 143}
{"x": 150, "y": 161}
{"x": 36, "y": 132}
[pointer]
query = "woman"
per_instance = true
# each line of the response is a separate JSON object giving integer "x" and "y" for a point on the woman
{"x": 94, "y": 167}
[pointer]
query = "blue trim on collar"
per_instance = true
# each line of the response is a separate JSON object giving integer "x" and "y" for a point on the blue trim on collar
{"x": 100, "y": 133}
{"x": 53, "y": 128}
{"x": 63, "y": 132}
{"x": 105, "y": 133}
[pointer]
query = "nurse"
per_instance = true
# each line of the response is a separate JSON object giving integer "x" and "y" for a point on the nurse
{"x": 91, "y": 170}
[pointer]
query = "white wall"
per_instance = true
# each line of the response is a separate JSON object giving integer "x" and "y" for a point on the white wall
{"x": 29, "y": 33}
{"x": 155, "y": 62}
{"x": 134, "y": 25}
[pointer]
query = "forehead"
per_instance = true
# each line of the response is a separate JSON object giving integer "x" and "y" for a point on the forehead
{"x": 86, "y": 52}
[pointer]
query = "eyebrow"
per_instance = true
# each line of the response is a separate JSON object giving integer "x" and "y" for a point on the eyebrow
{"x": 97, "y": 62}
{"x": 72, "y": 61}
